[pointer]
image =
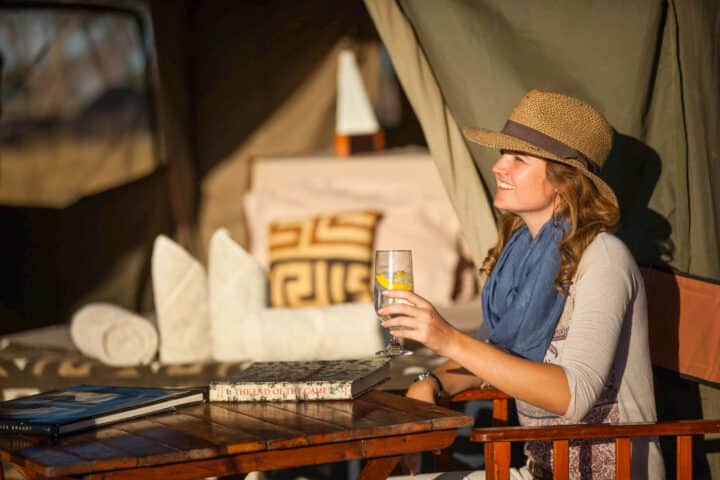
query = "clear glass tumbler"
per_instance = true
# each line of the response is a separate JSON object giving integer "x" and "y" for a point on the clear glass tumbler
{"x": 393, "y": 271}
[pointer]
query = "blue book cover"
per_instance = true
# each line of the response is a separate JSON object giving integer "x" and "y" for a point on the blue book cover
{"x": 80, "y": 407}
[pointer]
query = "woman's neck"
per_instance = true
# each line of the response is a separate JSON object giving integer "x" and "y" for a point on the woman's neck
{"x": 535, "y": 223}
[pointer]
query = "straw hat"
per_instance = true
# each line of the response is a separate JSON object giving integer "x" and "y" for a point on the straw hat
{"x": 556, "y": 127}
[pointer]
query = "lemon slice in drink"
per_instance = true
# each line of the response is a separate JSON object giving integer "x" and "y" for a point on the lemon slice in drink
{"x": 401, "y": 286}
{"x": 402, "y": 281}
{"x": 398, "y": 282}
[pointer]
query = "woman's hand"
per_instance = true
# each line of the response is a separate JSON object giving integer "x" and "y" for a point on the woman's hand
{"x": 424, "y": 390}
{"x": 418, "y": 320}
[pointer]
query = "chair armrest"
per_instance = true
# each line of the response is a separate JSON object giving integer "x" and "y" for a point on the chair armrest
{"x": 485, "y": 393}
{"x": 500, "y": 402}
{"x": 497, "y": 443}
{"x": 558, "y": 432}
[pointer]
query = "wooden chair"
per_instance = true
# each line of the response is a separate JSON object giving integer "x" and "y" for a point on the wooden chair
{"x": 677, "y": 304}
{"x": 497, "y": 444}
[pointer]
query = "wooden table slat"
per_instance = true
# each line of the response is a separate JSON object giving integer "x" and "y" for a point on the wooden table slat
{"x": 279, "y": 436}
{"x": 229, "y": 438}
{"x": 319, "y": 430}
{"x": 50, "y": 462}
{"x": 277, "y": 459}
{"x": 145, "y": 450}
{"x": 171, "y": 437}
{"x": 215, "y": 433}
{"x": 364, "y": 418}
{"x": 442, "y": 417}
{"x": 59, "y": 460}
{"x": 99, "y": 452}
{"x": 245, "y": 462}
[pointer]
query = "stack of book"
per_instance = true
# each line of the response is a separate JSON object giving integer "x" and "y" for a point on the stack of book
{"x": 81, "y": 407}
{"x": 296, "y": 381}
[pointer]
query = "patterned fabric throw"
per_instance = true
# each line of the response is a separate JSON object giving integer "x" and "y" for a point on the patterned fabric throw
{"x": 322, "y": 260}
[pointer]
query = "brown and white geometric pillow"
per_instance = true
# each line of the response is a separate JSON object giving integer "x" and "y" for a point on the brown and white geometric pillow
{"x": 322, "y": 260}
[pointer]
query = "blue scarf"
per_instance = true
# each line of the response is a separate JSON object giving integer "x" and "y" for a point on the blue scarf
{"x": 520, "y": 304}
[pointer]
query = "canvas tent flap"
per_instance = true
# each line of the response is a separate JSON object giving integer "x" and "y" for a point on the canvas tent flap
{"x": 646, "y": 66}
{"x": 455, "y": 165}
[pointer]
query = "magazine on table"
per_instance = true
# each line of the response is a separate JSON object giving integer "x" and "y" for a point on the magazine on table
{"x": 81, "y": 407}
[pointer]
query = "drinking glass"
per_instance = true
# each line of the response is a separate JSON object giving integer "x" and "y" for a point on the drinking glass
{"x": 393, "y": 271}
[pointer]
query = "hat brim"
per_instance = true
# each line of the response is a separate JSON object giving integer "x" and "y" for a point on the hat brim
{"x": 501, "y": 141}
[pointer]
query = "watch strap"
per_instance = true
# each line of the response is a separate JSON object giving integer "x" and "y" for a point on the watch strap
{"x": 439, "y": 389}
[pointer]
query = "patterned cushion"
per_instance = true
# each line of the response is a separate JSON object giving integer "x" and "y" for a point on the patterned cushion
{"x": 322, "y": 260}
{"x": 413, "y": 218}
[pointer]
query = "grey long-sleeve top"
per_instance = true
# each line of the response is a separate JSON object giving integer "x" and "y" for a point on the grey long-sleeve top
{"x": 601, "y": 341}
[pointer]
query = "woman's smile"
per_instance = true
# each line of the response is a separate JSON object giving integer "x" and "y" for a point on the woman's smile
{"x": 523, "y": 188}
{"x": 504, "y": 185}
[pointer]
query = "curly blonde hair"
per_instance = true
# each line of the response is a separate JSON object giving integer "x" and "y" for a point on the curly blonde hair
{"x": 587, "y": 210}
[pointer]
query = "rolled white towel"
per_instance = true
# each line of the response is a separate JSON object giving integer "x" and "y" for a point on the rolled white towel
{"x": 181, "y": 303}
{"x": 113, "y": 335}
{"x": 344, "y": 331}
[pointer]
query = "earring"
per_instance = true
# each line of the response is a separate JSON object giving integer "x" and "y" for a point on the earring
{"x": 555, "y": 213}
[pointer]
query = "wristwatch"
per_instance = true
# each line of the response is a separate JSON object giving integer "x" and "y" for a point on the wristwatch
{"x": 438, "y": 390}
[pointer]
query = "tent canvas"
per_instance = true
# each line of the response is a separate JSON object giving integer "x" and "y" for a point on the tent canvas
{"x": 215, "y": 98}
{"x": 651, "y": 68}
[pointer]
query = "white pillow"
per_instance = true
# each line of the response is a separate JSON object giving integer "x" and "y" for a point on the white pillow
{"x": 181, "y": 303}
{"x": 335, "y": 332}
{"x": 422, "y": 221}
{"x": 242, "y": 329}
{"x": 237, "y": 286}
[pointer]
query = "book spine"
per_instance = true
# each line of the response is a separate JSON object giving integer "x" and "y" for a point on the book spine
{"x": 30, "y": 429}
{"x": 278, "y": 392}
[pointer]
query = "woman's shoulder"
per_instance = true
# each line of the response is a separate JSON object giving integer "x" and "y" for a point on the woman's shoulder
{"x": 607, "y": 244}
{"x": 606, "y": 247}
{"x": 607, "y": 262}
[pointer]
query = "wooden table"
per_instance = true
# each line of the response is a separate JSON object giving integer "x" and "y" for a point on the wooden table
{"x": 219, "y": 439}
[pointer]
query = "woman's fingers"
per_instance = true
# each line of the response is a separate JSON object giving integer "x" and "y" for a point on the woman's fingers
{"x": 409, "y": 296}
{"x": 401, "y": 322}
{"x": 415, "y": 319}
{"x": 399, "y": 309}
{"x": 408, "y": 327}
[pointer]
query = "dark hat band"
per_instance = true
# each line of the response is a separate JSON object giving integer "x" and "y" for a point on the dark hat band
{"x": 547, "y": 143}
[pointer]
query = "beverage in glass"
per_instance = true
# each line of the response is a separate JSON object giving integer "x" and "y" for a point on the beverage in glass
{"x": 393, "y": 271}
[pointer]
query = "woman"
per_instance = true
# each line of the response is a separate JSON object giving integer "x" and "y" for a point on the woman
{"x": 563, "y": 299}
